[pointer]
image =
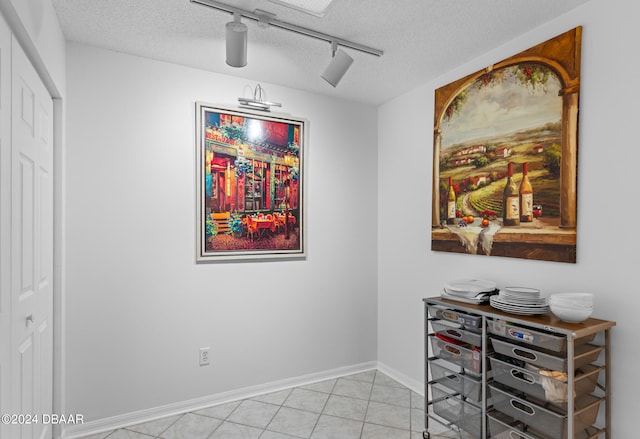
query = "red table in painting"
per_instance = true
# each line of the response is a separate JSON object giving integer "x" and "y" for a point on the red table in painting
{"x": 280, "y": 219}
{"x": 264, "y": 224}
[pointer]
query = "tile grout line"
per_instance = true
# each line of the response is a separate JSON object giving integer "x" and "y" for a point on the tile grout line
{"x": 410, "y": 413}
{"x": 368, "y": 403}
{"x": 171, "y": 425}
{"x": 323, "y": 407}
{"x": 221, "y": 423}
{"x": 278, "y": 411}
{"x": 265, "y": 429}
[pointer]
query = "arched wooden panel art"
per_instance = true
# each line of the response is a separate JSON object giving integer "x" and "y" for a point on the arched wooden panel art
{"x": 505, "y": 156}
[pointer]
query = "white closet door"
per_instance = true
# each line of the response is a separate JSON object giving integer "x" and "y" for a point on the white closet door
{"x": 31, "y": 244}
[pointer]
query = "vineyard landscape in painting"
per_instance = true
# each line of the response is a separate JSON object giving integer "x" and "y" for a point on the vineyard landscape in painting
{"x": 515, "y": 116}
{"x": 508, "y": 119}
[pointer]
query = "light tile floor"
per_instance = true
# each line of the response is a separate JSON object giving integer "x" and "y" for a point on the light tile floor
{"x": 367, "y": 405}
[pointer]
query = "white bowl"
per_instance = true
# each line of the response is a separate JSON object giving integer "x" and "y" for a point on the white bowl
{"x": 571, "y": 314}
{"x": 581, "y": 300}
{"x": 567, "y": 304}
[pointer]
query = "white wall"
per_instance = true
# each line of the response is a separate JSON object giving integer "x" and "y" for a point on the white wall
{"x": 139, "y": 307}
{"x": 607, "y": 258}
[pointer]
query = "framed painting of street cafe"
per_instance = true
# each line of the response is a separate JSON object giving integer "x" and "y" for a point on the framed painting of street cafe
{"x": 505, "y": 156}
{"x": 250, "y": 184}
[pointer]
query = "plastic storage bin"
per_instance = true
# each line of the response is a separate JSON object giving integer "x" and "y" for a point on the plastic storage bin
{"x": 468, "y": 359}
{"x": 539, "y": 339}
{"x": 455, "y": 332}
{"x": 549, "y": 421}
{"x": 583, "y": 355}
{"x": 541, "y": 386}
{"x": 466, "y": 320}
{"x": 466, "y": 416}
{"x": 458, "y": 382}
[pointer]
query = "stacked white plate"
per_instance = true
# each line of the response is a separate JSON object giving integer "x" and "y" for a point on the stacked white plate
{"x": 469, "y": 290}
{"x": 520, "y": 300}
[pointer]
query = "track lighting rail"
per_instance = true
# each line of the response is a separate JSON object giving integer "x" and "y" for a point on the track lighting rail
{"x": 266, "y": 19}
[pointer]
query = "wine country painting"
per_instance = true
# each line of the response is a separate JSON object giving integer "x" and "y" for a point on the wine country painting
{"x": 505, "y": 156}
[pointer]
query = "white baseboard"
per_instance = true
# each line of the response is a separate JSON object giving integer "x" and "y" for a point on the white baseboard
{"x": 415, "y": 385}
{"x": 128, "y": 419}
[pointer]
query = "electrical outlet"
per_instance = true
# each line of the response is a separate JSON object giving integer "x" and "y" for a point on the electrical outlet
{"x": 204, "y": 356}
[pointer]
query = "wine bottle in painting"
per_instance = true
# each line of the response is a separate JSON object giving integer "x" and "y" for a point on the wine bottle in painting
{"x": 451, "y": 203}
{"x": 511, "y": 201}
{"x": 526, "y": 196}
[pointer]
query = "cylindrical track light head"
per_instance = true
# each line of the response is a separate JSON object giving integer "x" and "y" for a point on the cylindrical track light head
{"x": 236, "y": 39}
{"x": 338, "y": 66}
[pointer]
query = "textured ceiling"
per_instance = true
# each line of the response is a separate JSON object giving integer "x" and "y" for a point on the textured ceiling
{"x": 421, "y": 39}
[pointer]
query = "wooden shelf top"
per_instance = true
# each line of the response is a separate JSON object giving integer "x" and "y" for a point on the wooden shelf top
{"x": 547, "y": 322}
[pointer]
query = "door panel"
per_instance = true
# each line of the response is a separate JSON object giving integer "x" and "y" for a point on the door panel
{"x": 25, "y": 378}
{"x": 25, "y": 374}
{"x": 25, "y": 227}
